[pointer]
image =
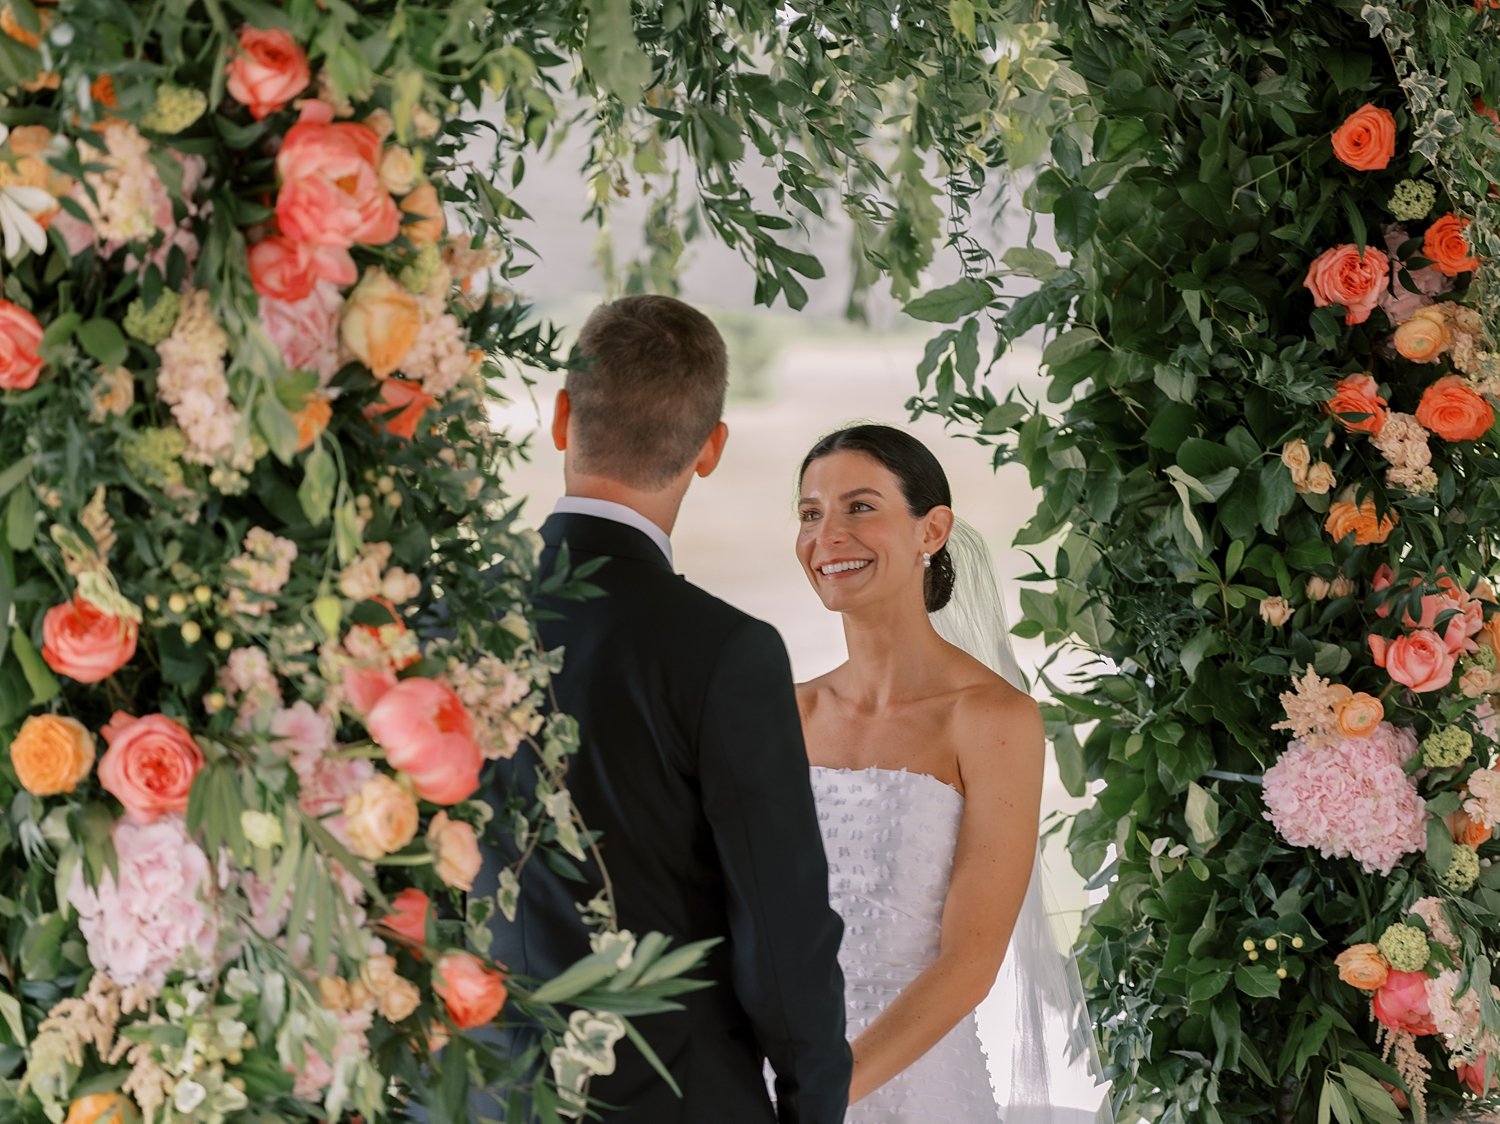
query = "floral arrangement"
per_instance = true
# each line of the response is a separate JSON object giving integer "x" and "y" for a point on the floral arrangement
{"x": 253, "y": 309}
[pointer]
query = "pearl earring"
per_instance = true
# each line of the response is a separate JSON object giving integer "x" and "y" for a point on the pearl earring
{"x": 926, "y": 561}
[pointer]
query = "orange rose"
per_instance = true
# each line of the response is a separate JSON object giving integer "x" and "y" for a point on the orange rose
{"x": 20, "y": 336}
{"x": 149, "y": 766}
{"x": 473, "y": 993}
{"x": 1423, "y": 339}
{"x": 380, "y": 323}
{"x": 1454, "y": 410}
{"x": 312, "y": 420}
{"x": 1359, "y": 714}
{"x": 101, "y": 1108}
{"x": 85, "y": 643}
{"x": 51, "y": 754}
{"x": 1362, "y": 966}
{"x": 380, "y": 818}
{"x": 1358, "y": 395}
{"x": 1367, "y": 140}
{"x": 1471, "y": 833}
{"x": 1360, "y": 520}
{"x": 1344, "y": 275}
{"x": 1446, "y": 247}
{"x": 426, "y": 209}
{"x": 267, "y": 71}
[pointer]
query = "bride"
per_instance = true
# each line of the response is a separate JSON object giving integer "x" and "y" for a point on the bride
{"x": 927, "y": 771}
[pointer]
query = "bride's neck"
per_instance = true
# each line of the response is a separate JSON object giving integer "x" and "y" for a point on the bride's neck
{"x": 892, "y": 653}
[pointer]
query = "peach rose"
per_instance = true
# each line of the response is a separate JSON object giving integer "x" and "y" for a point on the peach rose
{"x": 51, "y": 754}
{"x": 20, "y": 336}
{"x": 1446, "y": 247}
{"x": 267, "y": 71}
{"x": 1362, "y": 966}
{"x": 1359, "y": 714}
{"x": 312, "y": 420}
{"x": 402, "y": 405}
{"x": 101, "y": 1108}
{"x": 380, "y": 818}
{"x": 149, "y": 766}
{"x": 398, "y": 168}
{"x": 84, "y": 643}
{"x": 1358, "y": 395}
{"x": 428, "y": 734}
{"x": 473, "y": 993}
{"x": 1275, "y": 611}
{"x": 1317, "y": 588}
{"x": 1419, "y": 660}
{"x": 1360, "y": 520}
{"x": 1345, "y": 276}
{"x": 1319, "y": 480}
{"x": 407, "y": 921}
{"x": 380, "y": 322}
{"x": 457, "y": 851}
{"x": 1401, "y": 1003}
{"x": 426, "y": 211}
{"x": 1423, "y": 339}
{"x": 281, "y": 269}
{"x": 1471, "y": 833}
{"x": 1454, "y": 410}
{"x": 1367, "y": 140}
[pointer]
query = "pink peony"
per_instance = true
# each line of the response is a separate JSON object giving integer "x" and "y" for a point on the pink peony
{"x": 1349, "y": 798}
{"x": 306, "y": 332}
{"x": 152, "y": 919}
{"x": 427, "y": 733}
{"x": 365, "y": 686}
{"x": 1401, "y": 1003}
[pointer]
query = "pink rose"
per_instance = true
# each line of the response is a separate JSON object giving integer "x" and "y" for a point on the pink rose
{"x": 149, "y": 767}
{"x": 306, "y": 332}
{"x": 1398, "y": 302}
{"x": 1345, "y": 276}
{"x": 407, "y": 921}
{"x": 267, "y": 71}
{"x": 1469, "y": 619}
{"x": 1401, "y": 1003}
{"x": 457, "y": 850}
{"x": 428, "y": 734}
{"x": 1419, "y": 660}
{"x": 331, "y": 196}
{"x": 20, "y": 336}
{"x": 473, "y": 993}
{"x": 84, "y": 643}
{"x": 281, "y": 270}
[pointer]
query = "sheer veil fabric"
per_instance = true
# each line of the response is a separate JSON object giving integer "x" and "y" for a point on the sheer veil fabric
{"x": 1054, "y": 1059}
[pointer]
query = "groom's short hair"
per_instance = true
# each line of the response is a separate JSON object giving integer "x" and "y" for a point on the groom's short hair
{"x": 646, "y": 384}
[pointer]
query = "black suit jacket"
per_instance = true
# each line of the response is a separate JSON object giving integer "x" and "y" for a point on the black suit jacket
{"x": 692, "y": 765}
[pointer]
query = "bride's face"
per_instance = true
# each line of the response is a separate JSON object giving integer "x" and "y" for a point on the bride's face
{"x": 857, "y": 542}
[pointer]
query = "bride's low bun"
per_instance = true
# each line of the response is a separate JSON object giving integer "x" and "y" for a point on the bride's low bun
{"x": 937, "y": 587}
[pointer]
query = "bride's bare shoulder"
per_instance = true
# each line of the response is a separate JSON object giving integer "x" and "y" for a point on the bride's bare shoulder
{"x": 810, "y": 693}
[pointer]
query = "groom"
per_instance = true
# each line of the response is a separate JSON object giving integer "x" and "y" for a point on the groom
{"x": 692, "y": 764}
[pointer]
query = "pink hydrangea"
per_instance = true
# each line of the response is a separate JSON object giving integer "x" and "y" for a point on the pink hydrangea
{"x": 306, "y": 332}
{"x": 1349, "y": 798}
{"x": 153, "y": 918}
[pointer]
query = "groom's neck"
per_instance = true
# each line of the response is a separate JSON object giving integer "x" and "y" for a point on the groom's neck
{"x": 661, "y": 507}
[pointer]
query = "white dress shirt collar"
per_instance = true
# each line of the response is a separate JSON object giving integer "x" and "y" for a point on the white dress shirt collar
{"x": 618, "y": 513}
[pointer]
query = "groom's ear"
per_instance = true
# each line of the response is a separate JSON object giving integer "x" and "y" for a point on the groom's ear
{"x": 713, "y": 449}
{"x": 561, "y": 411}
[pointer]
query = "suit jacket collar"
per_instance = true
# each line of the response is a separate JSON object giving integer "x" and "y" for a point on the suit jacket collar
{"x": 590, "y": 534}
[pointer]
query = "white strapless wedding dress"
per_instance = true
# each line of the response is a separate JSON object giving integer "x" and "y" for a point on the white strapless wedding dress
{"x": 889, "y": 836}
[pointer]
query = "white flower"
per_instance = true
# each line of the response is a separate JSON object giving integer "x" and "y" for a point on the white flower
{"x": 188, "y": 1095}
{"x": 621, "y": 944}
{"x": 591, "y": 1039}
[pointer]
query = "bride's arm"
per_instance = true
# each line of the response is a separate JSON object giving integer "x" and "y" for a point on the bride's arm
{"x": 1001, "y": 762}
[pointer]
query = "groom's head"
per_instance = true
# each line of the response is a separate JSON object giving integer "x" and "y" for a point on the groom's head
{"x": 644, "y": 394}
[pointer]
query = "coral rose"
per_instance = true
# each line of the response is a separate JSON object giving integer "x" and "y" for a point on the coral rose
{"x": 1366, "y": 141}
{"x": 426, "y": 211}
{"x": 1466, "y": 830}
{"x": 268, "y": 70}
{"x": 1419, "y": 660}
{"x": 1446, "y": 247}
{"x": 1362, "y": 966}
{"x": 331, "y": 197}
{"x": 428, "y": 734}
{"x": 473, "y": 993}
{"x": 81, "y": 641}
{"x": 1476, "y": 1076}
{"x": 1454, "y": 410}
{"x": 1359, "y": 714}
{"x": 101, "y": 1108}
{"x": 149, "y": 766}
{"x": 20, "y": 336}
{"x": 281, "y": 269}
{"x": 403, "y": 405}
{"x": 1357, "y": 404}
{"x": 380, "y": 818}
{"x": 457, "y": 850}
{"x": 380, "y": 322}
{"x": 1360, "y": 520}
{"x": 1423, "y": 338}
{"x": 1345, "y": 276}
{"x": 1401, "y": 1003}
{"x": 407, "y": 921}
{"x": 51, "y": 754}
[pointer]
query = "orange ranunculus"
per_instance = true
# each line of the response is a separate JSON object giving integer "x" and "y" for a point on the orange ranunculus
{"x": 1350, "y": 277}
{"x": 268, "y": 70}
{"x": 473, "y": 993}
{"x": 51, "y": 754}
{"x": 149, "y": 766}
{"x": 101, "y": 1108}
{"x": 281, "y": 269}
{"x": 403, "y": 404}
{"x": 1346, "y": 517}
{"x": 1424, "y": 337}
{"x": 426, "y": 211}
{"x": 1362, "y": 966}
{"x": 380, "y": 322}
{"x": 1454, "y": 410}
{"x": 1358, "y": 395}
{"x": 1359, "y": 714}
{"x": 1446, "y": 247}
{"x": 20, "y": 336}
{"x": 1471, "y": 833}
{"x": 312, "y": 420}
{"x": 1367, "y": 140}
{"x": 85, "y": 643}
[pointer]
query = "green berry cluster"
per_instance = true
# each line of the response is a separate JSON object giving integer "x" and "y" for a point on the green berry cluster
{"x": 1412, "y": 200}
{"x": 154, "y": 324}
{"x": 1405, "y": 947}
{"x": 154, "y": 456}
{"x": 1447, "y": 747}
{"x": 1463, "y": 871}
{"x": 174, "y": 109}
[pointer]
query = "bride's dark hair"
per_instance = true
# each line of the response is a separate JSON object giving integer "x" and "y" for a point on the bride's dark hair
{"x": 924, "y": 485}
